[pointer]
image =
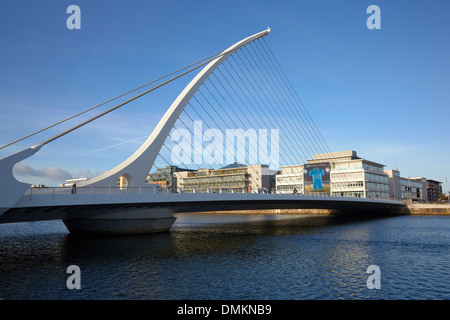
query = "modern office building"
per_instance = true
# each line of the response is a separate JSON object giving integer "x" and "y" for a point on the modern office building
{"x": 434, "y": 190}
{"x": 341, "y": 173}
{"x": 355, "y": 176}
{"x": 166, "y": 177}
{"x": 337, "y": 173}
{"x": 232, "y": 178}
{"x": 401, "y": 188}
{"x": 417, "y": 189}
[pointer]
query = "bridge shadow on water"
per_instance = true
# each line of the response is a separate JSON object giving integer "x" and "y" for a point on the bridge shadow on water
{"x": 191, "y": 233}
{"x": 34, "y": 262}
{"x": 202, "y": 233}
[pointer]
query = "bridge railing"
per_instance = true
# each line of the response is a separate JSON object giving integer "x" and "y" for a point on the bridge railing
{"x": 152, "y": 190}
{"x": 93, "y": 190}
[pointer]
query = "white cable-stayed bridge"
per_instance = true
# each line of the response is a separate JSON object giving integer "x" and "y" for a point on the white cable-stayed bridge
{"x": 240, "y": 106}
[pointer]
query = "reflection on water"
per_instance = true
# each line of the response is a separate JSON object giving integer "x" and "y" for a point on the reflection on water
{"x": 233, "y": 257}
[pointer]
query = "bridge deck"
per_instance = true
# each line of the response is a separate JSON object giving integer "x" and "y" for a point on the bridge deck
{"x": 52, "y": 205}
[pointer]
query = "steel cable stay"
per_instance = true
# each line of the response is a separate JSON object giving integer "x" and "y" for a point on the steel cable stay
{"x": 168, "y": 163}
{"x": 172, "y": 154}
{"x": 218, "y": 114}
{"x": 263, "y": 91}
{"x": 232, "y": 110}
{"x": 265, "y": 101}
{"x": 269, "y": 118}
{"x": 246, "y": 97}
{"x": 237, "y": 105}
{"x": 178, "y": 158}
{"x": 253, "y": 179}
{"x": 234, "y": 123}
{"x": 269, "y": 91}
{"x": 209, "y": 58}
{"x": 195, "y": 150}
{"x": 275, "y": 91}
{"x": 311, "y": 124}
{"x": 277, "y": 109}
{"x": 316, "y": 144}
{"x": 300, "y": 104}
{"x": 313, "y": 150}
{"x": 244, "y": 104}
{"x": 195, "y": 137}
{"x": 244, "y": 114}
{"x": 296, "y": 96}
{"x": 250, "y": 101}
{"x": 325, "y": 148}
{"x": 283, "y": 85}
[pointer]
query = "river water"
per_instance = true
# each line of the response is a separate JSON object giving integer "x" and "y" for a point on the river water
{"x": 233, "y": 257}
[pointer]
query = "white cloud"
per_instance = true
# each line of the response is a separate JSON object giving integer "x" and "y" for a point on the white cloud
{"x": 49, "y": 175}
{"x": 51, "y": 172}
{"x": 87, "y": 174}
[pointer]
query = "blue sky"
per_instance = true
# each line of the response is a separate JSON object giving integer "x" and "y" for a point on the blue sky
{"x": 384, "y": 93}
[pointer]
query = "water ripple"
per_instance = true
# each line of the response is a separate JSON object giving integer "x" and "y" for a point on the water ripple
{"x": 233, "y": 257}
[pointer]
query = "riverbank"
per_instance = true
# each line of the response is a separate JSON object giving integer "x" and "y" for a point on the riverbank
{"x": 409, "y": 209}
{"x": 428, "y": 209}
{"x": 274, "y": 211}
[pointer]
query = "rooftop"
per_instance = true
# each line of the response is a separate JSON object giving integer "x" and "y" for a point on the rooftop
{"x": 341, "y": 156}
{"x": 234, "y": 165}
{"x": 347, "y": 155}
{"x": 433, "y": 181}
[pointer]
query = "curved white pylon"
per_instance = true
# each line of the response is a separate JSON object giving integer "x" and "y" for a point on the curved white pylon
{"x": 11, "y": 189}
{"x": 136, "y": 168}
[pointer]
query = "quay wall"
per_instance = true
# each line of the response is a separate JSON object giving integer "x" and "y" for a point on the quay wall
{"x": 427, "y": 209}
{"x": 275, "y": 211}
{"x": 408, "y": 209}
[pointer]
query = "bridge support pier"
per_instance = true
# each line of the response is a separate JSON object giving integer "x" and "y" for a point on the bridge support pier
{"x": 123, "y": 221}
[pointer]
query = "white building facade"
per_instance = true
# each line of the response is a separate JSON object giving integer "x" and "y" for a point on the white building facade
{"x": 290, "y": 179}
{"x": 350, "y": 176}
